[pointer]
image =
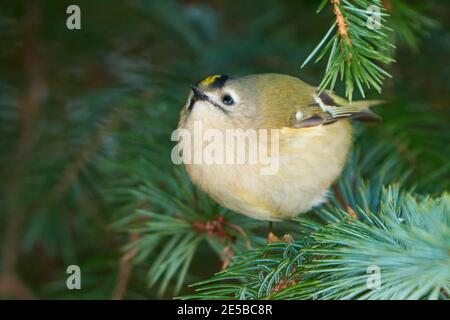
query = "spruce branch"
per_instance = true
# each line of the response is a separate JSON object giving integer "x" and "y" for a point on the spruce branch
{"x": 409, "y": 23}
{"x": 407, "y": 239}
{"x": 364, "y": 39}
{"x": 341, "y": 23}
{"x": 355, "y": 49}
{"x": 173, "y": 220}
{"x": 331, "y": 256}
{"x": 57, "y": 148}
{"x": 125, "y": 267}
{"x": 35, "y": 94}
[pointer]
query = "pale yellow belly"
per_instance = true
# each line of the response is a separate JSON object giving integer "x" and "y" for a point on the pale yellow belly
{"x": 309, "y": 161}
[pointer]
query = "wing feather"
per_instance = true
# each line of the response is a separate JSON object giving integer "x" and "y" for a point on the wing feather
{"x": 325, "y": 108}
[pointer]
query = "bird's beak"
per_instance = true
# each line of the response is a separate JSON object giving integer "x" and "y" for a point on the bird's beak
{"x": 199, "y": 95}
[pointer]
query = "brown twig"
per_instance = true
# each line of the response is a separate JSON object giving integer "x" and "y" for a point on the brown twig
{"x": 35, "y": 93}
{"x": 342, "y": 24}
{"x": 226, "y": 255}
{"x": 342, "y": 27}
{"x": 285, "y": 282}
{"x": 241, "y": 231}
{"x": 387, "y": 5}
{"x": 216, "y": 228}
{"x": 213, "y": 228}
{"x": 125, "y": 267}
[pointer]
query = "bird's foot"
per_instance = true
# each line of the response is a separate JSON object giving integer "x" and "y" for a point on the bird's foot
{"x": 272, "y": 238}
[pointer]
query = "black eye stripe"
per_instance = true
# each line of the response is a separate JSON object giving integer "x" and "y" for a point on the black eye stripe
{"x": 191, "y": 104}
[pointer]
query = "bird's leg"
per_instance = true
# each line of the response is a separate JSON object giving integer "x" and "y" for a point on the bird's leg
{"x": 340, "y": 198}
{"x": 272, "y": 238}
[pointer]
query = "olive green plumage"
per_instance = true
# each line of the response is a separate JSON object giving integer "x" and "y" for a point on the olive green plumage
{"x": 314, "y": 139}
{"x": 280, "y": 97}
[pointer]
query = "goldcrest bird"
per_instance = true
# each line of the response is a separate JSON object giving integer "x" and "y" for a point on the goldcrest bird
{"x": 314, "y": 137}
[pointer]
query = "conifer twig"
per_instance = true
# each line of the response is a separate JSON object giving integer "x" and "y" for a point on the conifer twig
{"x": 92, "y": 146}
{"x": 34, "y": 95}
{"x": 407, "y": 239}
{"x": 355, "y": 48}
{"x": 340, "y": 20}
{"x": 125, "y": 267}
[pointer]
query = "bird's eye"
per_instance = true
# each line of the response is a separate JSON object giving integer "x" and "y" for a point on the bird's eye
{"x": 227, "y": 100}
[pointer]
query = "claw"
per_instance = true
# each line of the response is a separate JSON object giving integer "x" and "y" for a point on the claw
{"x": 287, "y": 238}
{"x": 271, "y": 238}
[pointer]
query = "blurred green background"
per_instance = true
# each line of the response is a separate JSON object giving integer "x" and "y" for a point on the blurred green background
{"x": 83, "y": 112}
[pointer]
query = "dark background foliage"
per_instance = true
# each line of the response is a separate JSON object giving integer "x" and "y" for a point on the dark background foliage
{"x": 86, "y": 117}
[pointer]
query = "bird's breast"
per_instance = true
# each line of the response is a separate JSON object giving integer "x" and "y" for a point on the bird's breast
{"x": 308, "y": 160}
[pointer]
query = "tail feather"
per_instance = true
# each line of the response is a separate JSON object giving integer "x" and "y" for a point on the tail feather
{"x": 364, "y": 113}
{"x": 357, "y": 110}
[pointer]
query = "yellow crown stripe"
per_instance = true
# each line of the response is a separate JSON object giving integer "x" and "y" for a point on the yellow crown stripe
{"x": 209, "y": 80}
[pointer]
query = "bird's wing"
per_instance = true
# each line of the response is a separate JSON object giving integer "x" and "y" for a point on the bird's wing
{"x": 326, "y": 108}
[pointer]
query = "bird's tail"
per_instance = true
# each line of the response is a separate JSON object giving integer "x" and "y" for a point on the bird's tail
{"x": 363, "y": 112}
{"x": 358, "y": 110}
